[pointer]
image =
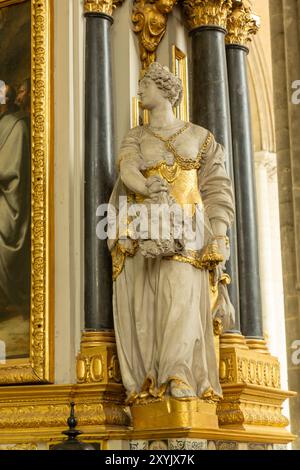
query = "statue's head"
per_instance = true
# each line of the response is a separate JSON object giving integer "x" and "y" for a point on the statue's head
{"x": 165, "y": 6}
{"x": 159, "y": 83}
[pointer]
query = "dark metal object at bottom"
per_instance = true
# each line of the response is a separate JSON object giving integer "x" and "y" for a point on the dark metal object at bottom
{"x": 72, "y": 442}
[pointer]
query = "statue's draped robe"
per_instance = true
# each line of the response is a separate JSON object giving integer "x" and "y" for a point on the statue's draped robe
{"x": 162, "y": 311}
{"x": 14, "y": 214}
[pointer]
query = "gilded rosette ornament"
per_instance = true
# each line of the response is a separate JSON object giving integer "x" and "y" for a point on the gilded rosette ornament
{"x": 101, "y": 6}
{"x": 206, "y": 12}
{"x": 149, "y": 20}
{"x": 241, "y": 24}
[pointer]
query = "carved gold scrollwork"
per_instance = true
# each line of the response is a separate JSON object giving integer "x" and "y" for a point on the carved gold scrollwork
{"x": 243, "y": 370}
{"x": 81, "y": 369}
{"x": 149, "y": 19}
{"x": 260, "y": 373}
{"x": 252, "y": 370}
{"x": 275, "y": 376}
{"x": 206, "y": 12}
{"x": 20, "y": 447}
{"x": 252, "y": 396}
{"x": 251, "y": 414}
{"x": 114, "y": 370}
{"x": 241, "y": 24}
{"x": 97, "y": 361}
{"x": 226, "y": 370}
{"x": 89, "y": 368}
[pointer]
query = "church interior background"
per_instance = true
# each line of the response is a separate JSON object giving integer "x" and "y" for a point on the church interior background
{"x": 86, "y": 62}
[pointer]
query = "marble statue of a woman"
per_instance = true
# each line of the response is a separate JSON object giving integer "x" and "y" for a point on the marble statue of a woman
{"x": 161, "y": 300}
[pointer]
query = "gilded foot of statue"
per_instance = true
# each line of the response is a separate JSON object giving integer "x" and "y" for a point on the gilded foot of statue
{"x": 210, "y": 397}
{"x": 179, "y": 389}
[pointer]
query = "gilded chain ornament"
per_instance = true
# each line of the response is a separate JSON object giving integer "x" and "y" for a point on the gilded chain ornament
{"x": 102, "y": 6}
{"x": 206, "y": 12}
{"x": 241, "y": 24}
{"x": 149, "y": 18}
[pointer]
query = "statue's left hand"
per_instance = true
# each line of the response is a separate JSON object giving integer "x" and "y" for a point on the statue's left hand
{"x": 223, "y": 249}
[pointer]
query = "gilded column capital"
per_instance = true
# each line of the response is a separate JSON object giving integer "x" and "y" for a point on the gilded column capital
{"x": 206, "y": 12}
{"x": 101, "y": 6}
{"x": 149, "y": 20}
{"x": 241, "y": 24}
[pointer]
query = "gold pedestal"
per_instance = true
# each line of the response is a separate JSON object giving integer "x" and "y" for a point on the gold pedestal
{"x": 253, "y": 399}
{"x": 250, "y": 413}
{"x": 38, "y": 414}
{"x": 97, "y": 361}
{"x": 171, "y": 415}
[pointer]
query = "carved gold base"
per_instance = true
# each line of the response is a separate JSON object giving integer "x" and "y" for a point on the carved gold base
{"x": 172, "y": 414}
{"x": 249, "y": 412}
{"x": 258, "y": 345}
{"x": 250, "y": 379}
{"x": 233, "y": 340}
{"x": 39, "y": 413}
{"x": 97, "y": 361}
{"x": 249, "y": 406}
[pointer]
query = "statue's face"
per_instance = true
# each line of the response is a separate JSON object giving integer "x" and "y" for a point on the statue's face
{"x": 165, "y": 6}
{"x": 150, "y": 95}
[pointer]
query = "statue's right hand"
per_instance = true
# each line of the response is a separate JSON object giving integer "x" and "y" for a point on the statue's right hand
{"x": 155, "y": 185}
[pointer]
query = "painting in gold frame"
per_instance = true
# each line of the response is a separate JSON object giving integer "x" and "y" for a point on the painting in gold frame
{"x": 139, "y": 116}
{"x": 26, "y": 321}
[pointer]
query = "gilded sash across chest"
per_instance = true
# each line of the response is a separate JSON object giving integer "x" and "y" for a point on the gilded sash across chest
{"x": 183, "y": 184}
{"x": 182, "y": 176}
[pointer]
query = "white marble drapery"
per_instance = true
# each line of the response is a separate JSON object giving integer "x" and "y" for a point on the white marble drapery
{"x": 162, "y": 311}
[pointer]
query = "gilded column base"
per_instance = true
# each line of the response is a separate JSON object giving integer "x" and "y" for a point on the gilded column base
{"x": 233, "y": 340}
{"x": 97, "y": 361}
{"x": 258, "y": 345}
{"x": 253, "y": 398}
{"x": 39, "y": 413}
{"x": 172, "y": 415}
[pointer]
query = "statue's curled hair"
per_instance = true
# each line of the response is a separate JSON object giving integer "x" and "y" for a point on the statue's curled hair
{"x": 166, "y": 81}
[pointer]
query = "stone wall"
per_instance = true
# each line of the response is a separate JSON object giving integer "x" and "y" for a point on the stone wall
{"x": 285, "y": 30}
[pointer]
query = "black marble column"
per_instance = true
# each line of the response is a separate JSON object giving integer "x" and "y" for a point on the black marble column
{"x": 249, "y": 280}
{"x": 99, "y": 169}
{"x": 210, "y": 109}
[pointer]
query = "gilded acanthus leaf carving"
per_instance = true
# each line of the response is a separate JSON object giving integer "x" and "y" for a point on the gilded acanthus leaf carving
{"x": 241, "y": 25}
{"x": 101, "y": 6}
{"x": 149, "y": 19}
{"x": 206, "y": 12}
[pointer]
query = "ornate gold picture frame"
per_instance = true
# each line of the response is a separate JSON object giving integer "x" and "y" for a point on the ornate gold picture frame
{"x": 36, "y": 366}
{"x": 179, "y": 68}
